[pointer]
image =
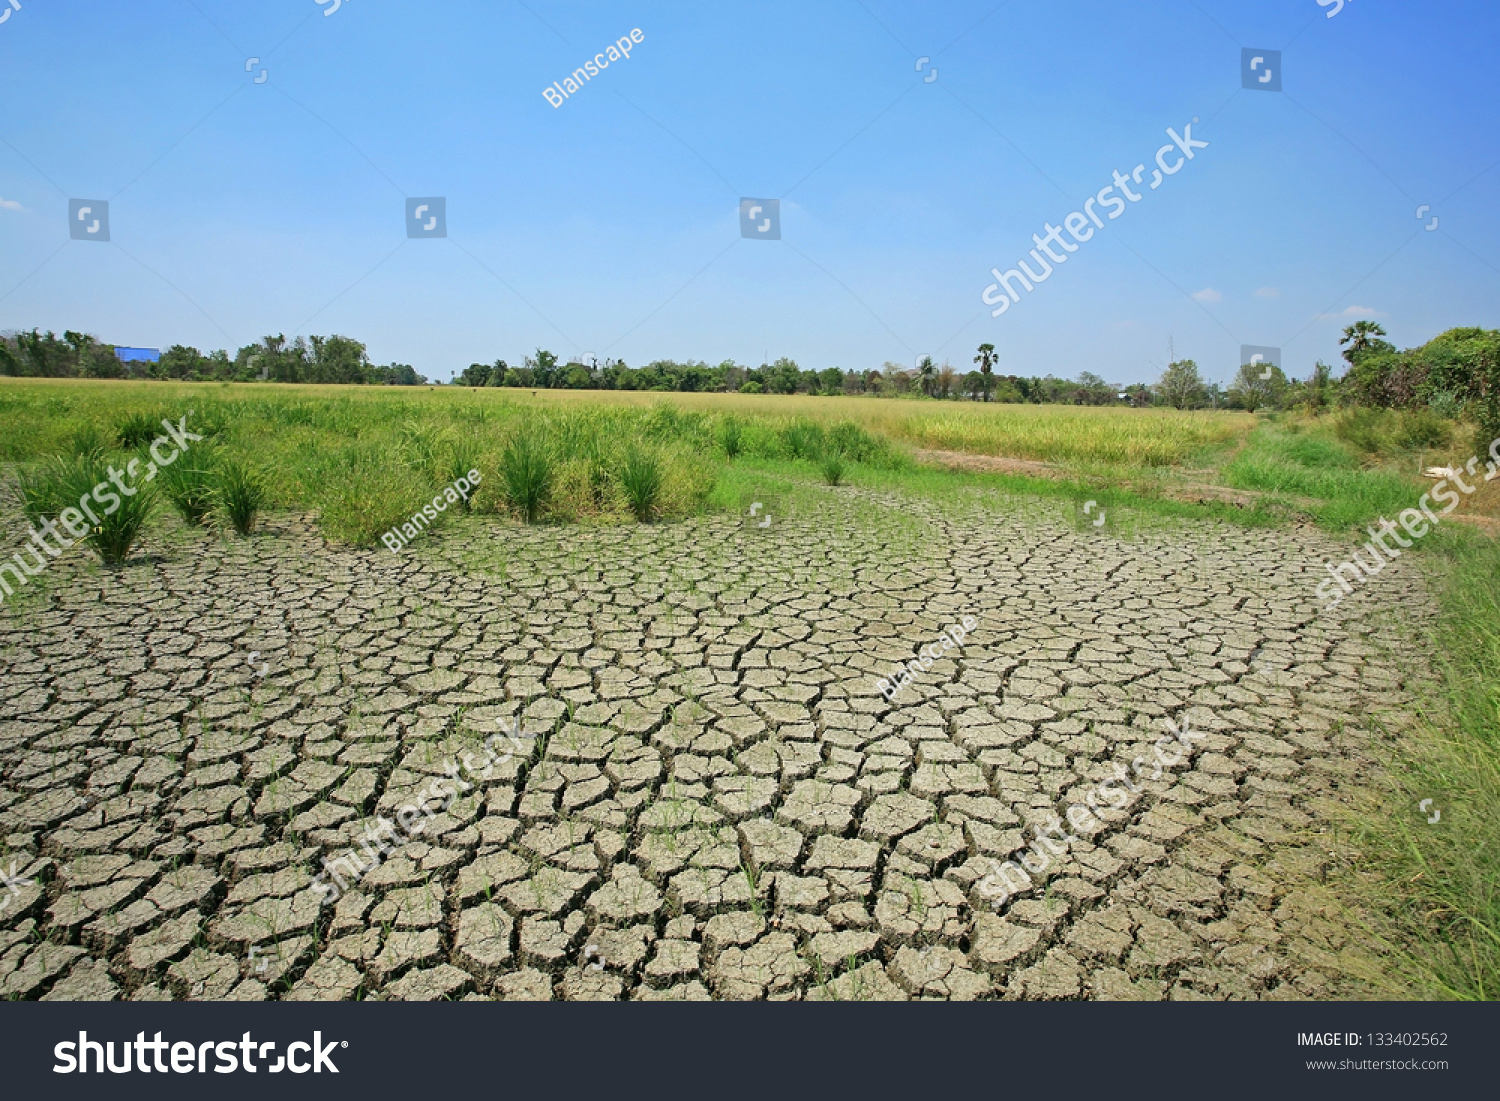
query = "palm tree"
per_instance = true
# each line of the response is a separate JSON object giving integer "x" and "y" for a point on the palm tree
{"x": 1360, "y": 337}
{"x": 926, "y": 372}
{"x": 986, "y": 360}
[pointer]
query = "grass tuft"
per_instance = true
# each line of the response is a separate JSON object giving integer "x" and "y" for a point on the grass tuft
{"x": 731, "y": 436}
{"x": 137, "y": 429}
{"x": 641, "y": 480}
{"x": 239, "y": 493}
{"x": 63, "y": 483}
{"x": 527, "y": 467}
{"x": 189, "y": 484}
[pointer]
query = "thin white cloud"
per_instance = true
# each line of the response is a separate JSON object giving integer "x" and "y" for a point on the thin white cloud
{"x": 1352, "y": 311}
{"x": 1268, "y": 292}
{"x": 1207, "y": 294}
{"x": 9, "y": 204}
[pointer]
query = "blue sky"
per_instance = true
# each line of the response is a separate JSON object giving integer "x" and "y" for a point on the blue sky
{"x": 610, "y": 224}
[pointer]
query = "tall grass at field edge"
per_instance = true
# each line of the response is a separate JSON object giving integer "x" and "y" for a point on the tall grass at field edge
{"x": 1433, "y": 888}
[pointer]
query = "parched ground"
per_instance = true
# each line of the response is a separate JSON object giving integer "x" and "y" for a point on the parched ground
{"x": 724, "y": 806}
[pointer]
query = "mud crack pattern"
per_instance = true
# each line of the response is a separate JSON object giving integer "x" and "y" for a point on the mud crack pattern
{"x": 723, "y": 806}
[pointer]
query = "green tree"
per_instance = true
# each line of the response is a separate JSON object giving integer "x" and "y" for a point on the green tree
{"x": 1181, "y": 386}
{"x": 1318, "y": 393}
{"x": 10, "y": 362}
{"x": 475, "y": 374}
{"x": 180, "y": 362}
{"x": 45, "y": 356}
{"x": 986, "y": 360}
{"x": 1093, "y": 390}
{"x": 544, "y": 368}
{"x": 1257, "y": 385}
{"x": 1362, "y": 337}
{"x": 92, "y": 359}
{"x": 337, "y": 359}
{"x": 783, "y": 376}
{"x": 926, "y": 375}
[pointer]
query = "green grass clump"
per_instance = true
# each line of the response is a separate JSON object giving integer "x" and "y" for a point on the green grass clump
{"x": 239, "y": 493}
{"x": 88, "y": 442}
{"x": 641, "y": 480}
{"x": 40, "y": 486}
{"x": 802, "y": 439}
{"x": 360, "y": 494}
{"x": 526, "y": 471}
{"x": 461, "y": 456}
{"x": 731, "y": 436}
{"x": 63, "y": 483}
{"x": 1378, "y": 433}
{"x": 137, "y": 429}
{"x": 189, "y": 485}
{"x": 833, "y": 468}
{"x": 423, "y": 449}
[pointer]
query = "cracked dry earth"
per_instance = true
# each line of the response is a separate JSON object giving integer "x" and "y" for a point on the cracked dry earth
{"x": 725, "y": 807}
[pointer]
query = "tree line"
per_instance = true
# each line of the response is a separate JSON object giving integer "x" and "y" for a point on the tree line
{"x": 316, "y": 359}
{"x": 1457, "y": 373}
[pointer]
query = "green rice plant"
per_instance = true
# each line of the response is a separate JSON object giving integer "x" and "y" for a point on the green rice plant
{"x": 87, "y": 442}
{"x": 833, "y": 468}
{"x": 666, "y": 421}
{"x": 360, "y": 494}
{"x": 40, "y": 486}
{"x": 731, "y": 436}
{"x": 189, "y": 484}
{"x": 209, "y": 418}
{"x": 421, "y": 448}
{"x": 461, "y": 457}
{"x": 114, "y": 529}
{"x": 527, "y": 467}
{"x": 239, "y": 493}
{"x": 641, "y": 478}
{"x": 803, "y": 439}
{"x": 137, "y": 429}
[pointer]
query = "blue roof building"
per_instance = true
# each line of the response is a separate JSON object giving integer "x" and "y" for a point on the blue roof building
{"x": 136, "y": 355}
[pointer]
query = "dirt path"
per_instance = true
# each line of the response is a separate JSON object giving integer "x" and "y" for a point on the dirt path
{"x": 726, "y": 807}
